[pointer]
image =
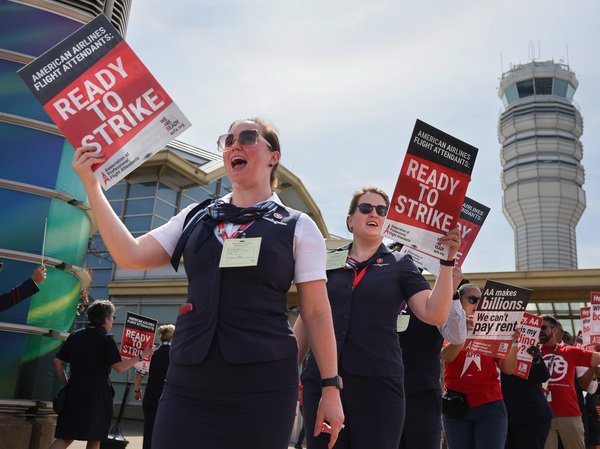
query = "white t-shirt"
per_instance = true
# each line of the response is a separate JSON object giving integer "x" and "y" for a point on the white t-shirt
{"x": 310, "y": 254}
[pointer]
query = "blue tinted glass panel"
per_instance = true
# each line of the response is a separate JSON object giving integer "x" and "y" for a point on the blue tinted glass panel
{"x": 135, "y": 207}
{"x": 101, "y": 277}
{"x": 138, "y": 224}
{"x": 164, "y": 210}
{"x": 167, "y": 194}
{"x": 560, "y": 88}
{"x": 570, "y": 91}
{"x": 525, "y": 88}
{"x": 116, "y": 192}
{"x": 157, "y": 222}
{"x": 185, "y": 202}
{"x": 43, "y": 148}
{"x": 543, "y": 86}
{"x": 32, "y": 31}
{"x": 98, "y": 293}
{"x": 144, "y": 189}
{"x": 15, "y": 97}
{"x": 98, "y": 260}
{"x": 510, "y": 94}
{"x": 97, "y": 244}
{"x": 117, "y": 206}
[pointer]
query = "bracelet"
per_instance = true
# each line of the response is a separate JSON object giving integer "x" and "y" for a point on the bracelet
{"x": 515, "y": 344}
{"x": 137, "y": 391}
{"x": 141, "y": 358}
{"x": 447, "y": 263}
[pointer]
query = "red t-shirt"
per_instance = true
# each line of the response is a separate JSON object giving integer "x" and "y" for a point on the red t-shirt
{"x": 561, "y": 386}
{"x": 474, "y": 375}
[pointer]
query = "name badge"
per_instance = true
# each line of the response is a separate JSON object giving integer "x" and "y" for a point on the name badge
{"x": 402, "y": 322}
{"x": 240, "y": 252}
{"x": 336, "y": 259}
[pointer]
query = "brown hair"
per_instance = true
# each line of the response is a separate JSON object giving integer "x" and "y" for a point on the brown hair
{"x": 100, "y": 309}
{"x": 269, "y": 132}
{"x": 361, "y": 192}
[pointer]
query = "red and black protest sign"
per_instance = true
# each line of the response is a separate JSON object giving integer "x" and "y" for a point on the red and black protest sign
{"x": 138, "y": 334}
{"x": 100, "y": 94}
{"x": 430, "y": 190}
{"x": 472, "y": 216}
{"x": 530, "y": 332}
{"x": 497, "y": 317}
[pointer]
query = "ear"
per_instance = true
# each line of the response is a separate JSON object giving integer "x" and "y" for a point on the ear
{"x": 275, "y": 157}
{"x": 349, "y": 222}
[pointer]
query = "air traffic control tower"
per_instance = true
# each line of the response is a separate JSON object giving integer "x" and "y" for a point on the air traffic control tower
{"x": 542, "y": 175}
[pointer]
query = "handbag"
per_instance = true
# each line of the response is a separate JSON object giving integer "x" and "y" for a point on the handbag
{"x": 59, "y": 403}
{"x": 454, "y": 404}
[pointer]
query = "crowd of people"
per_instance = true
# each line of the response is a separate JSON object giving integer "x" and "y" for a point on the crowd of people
{"x": 371, "y": 327}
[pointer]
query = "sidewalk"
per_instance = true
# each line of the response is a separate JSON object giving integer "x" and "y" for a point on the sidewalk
{"x": 132, "y": 431}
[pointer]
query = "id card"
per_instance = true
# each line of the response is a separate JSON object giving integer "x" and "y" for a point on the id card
{"x": 240, "y": 252}
{"x": 336, "y": 259}
{"x": 402, "y": 322}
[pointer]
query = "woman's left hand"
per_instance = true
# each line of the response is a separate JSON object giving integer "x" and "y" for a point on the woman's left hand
{"x": 452, "y": 241}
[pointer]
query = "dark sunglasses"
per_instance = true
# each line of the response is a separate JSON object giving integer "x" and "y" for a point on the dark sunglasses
{"x": 246, "y": 138}
{"x": 366, "y": 208}
{"x": 473, "y": 299}
{"x": 545, "y": 326}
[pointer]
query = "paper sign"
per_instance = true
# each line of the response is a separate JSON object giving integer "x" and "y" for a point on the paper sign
{"x": 472, "y": 216}
{"x": 430, "y": 190}
{"x": 530, "y": 332}
{"x": 497, "y": 317}
{"x": 99, "y": 93}
{"x": 138, "y": 334}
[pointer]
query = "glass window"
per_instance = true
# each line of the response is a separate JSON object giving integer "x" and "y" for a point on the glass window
{"x": 570, "y": 92}
{"x": 143, "y": 189}
{"x": 510, "y": 95}
{"x": 97, "y": 243}
{"x": 101, "y": 277}
{"x": 167, "y": 193}
{"x": 116, "y": 192}
{"x": 134, "y": 207}
{"x": 560, "y": 88}
{"x": 117, "y": 206}
{"x": 98, "y": 293}
{"x": 543, "y": 86}
{"x": 158, "y": 222}
{"x": 163, "y": 209}
{"x": 139, "y": 223}
{"x": 525, "y": 88}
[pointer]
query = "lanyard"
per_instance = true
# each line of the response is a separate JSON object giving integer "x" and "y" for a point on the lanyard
{"x": 358, "y": 276}
{"x": 223, "y": 234}
{"x": 550, "y": 369}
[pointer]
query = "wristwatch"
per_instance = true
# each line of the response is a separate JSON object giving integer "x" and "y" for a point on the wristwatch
{"x": 332, "y": 382}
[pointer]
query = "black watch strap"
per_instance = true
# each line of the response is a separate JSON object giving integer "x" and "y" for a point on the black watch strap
{"x": 332, "y": 382}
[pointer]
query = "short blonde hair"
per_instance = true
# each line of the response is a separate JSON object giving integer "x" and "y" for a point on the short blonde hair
{"x": 165, "y": 332}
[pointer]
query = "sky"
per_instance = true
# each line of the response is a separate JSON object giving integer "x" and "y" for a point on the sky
{"x": 345, "y": 81}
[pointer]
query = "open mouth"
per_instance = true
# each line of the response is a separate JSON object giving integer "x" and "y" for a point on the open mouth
{"x": 372, "y": 223}
{"x": 238, "y": 161}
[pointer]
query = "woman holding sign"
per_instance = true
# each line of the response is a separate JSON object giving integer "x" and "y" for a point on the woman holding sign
{"x": 91, "y": 352}
{"x": 474, "y": 378}
{"x": 233, "y": 375}
{"x": 367, "y": 287}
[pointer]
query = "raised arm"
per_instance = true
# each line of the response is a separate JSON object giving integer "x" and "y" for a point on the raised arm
{"x": 143, "y": 253}
{"x": 433, "y": 306}
{"x": 124, "y": 365}
{"x": 508, "y": 365}
{"x": 318, "y": 328}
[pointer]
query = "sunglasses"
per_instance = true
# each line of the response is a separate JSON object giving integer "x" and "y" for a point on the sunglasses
{"x": 246, "y": 138}
{"x": 366, "y": 208}
{"x": 473, "y": 299}
{"x": 544, "y": 327}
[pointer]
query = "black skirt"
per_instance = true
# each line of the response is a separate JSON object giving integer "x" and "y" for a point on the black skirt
{"x": 223, "y": 405}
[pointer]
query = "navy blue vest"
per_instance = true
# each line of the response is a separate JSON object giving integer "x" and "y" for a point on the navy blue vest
{"x": 246, "y": 307}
